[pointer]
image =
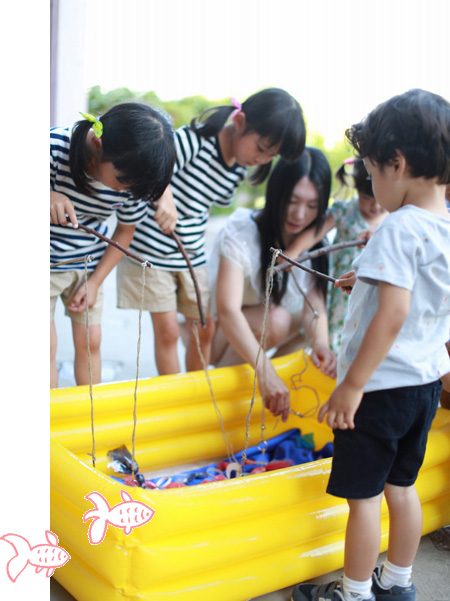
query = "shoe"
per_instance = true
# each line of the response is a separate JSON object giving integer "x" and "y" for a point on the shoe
{"x": 395, "y": 593}
{"x": 332, "y": 591}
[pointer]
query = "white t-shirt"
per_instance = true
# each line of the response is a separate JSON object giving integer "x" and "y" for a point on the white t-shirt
{"x": 239, "y": 241}
{"x": 409, "y": 249}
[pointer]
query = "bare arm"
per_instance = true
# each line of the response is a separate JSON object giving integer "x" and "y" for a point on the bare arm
{"x": 309, "y": 238}
{"x": 393, "y": 308}
{"x": 123, "y": 234}
{"x": 229, "y": 294}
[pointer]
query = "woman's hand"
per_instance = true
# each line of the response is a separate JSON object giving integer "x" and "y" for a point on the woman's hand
{"x": 341, "y": 407}
{"x": 324, "y": 359}
{"x": 61, "y": 207}
{"x": 274, "y": 392}
{"x": 346, "y": 281}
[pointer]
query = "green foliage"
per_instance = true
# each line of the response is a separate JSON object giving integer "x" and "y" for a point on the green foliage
{"x": 184, "y": 110}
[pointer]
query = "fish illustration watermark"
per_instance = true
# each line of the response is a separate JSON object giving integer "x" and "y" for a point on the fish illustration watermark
{"x": 126, "y": 515}
{"x": 46, "y": 557}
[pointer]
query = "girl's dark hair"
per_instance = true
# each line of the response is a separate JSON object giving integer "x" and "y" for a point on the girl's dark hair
{"x": 273, "y": 114}
{"x": 416, "y": 123}
{"x": 138, "y": 140}
{"x": 358, "y": 179}
{"x": 280, "y": 186}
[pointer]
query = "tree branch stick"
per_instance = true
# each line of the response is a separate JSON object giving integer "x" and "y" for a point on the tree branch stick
{"x": 125, "y": 251}
{"x": 193, "y": 276}
{"x": 323, "y": 251}
{"x": 323, "y": 276}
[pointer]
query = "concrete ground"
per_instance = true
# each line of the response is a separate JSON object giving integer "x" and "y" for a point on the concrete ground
{"x": 120, "y": 328}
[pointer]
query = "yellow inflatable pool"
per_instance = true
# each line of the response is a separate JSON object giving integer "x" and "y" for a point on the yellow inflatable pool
{"x": 228, "y": 541}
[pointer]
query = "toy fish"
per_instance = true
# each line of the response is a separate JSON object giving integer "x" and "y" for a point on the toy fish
{"x": 42, "y": 557}
{"x": 126, "y": 515}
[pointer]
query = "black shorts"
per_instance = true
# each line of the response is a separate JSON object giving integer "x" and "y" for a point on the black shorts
{"x": 387, "y": 444}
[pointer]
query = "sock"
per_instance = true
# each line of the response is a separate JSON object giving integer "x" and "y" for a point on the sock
{"x": 355, "y": 589}
{"x": 392, "y": 575}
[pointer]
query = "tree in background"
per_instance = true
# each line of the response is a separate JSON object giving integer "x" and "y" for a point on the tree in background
{"x": 184, "y": 110}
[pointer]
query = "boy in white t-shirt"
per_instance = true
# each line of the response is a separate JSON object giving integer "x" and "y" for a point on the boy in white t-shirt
{"x": 393, "y": 354}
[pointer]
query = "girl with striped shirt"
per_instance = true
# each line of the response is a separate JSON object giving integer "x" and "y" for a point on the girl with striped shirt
{"x": 101, "y": 167}
{"x": 212, "y": 160}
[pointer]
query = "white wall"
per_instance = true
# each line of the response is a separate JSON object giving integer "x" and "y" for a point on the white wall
{"x": 70, "y": 96}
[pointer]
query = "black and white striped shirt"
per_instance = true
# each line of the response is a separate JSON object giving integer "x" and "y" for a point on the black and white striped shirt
{"x": 67, "y": 243}
{"x": 200, "y": 179}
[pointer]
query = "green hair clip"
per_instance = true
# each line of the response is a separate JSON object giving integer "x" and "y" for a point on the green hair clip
{"x": 97, "y": 124}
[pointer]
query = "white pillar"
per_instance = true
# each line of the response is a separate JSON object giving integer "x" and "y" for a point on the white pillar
{"x": 68, "y": 95}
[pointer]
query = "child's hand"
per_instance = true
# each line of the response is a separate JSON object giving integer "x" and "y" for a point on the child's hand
{"x": 341, "y": 407}
{"x": 346, "y": 281}
{"x": 166, "y": 212}
{"x": 364, "y": 236}
{"x": 60, "y": 208}
{"x": 324, "y": 359}
{"x": 446, "y": 382}
{"x": 78, "y": 303}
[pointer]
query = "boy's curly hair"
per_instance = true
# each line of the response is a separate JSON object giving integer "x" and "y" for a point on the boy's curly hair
{"x": 415, "y": 123}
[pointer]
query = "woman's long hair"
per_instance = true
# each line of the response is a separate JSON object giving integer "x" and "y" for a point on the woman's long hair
{"x": 283, "y": 179}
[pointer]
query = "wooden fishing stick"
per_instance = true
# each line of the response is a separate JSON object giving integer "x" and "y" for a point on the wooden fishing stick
{"x": 193, "y": 276}
{"x": 191, "y": 271}
{"x": 297, "y": 264}
{"x": 125, "y": 251}
{"x": 323, "y": 251}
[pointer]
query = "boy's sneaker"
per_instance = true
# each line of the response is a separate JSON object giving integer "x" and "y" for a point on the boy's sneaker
{"x": 395, "y": 593}
{"x": 323, "y": 592}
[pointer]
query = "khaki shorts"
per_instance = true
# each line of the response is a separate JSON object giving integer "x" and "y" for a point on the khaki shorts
{"x": 164, "y": 290}
{"x": 65, "y": 284}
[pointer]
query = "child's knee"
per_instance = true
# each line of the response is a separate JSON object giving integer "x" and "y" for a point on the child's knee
{"x": 206, "y": 333}
{"x": 167, "y": 335}
{"x": 80, "y": 338}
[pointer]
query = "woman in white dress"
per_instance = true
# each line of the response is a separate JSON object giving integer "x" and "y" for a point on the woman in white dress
{"x": 296, "y": 199}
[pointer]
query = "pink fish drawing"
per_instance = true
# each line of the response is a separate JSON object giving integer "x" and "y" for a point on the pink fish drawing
{"x": 126, "y": 515}
{"x": 46, "y": 557}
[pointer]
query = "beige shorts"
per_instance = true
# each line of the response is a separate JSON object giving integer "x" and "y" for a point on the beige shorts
{"x": 65, "y": 284}
{"x": 163, "y": 291}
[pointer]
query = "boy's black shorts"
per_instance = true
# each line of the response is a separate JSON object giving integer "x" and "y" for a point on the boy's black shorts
{"x": 388, "y": 442}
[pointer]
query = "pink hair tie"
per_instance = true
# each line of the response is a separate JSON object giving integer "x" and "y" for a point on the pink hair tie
{"x": 238, "y": 106}
{"x": 350, "y": 161}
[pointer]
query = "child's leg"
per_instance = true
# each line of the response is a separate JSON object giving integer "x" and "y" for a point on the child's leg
{"x": 405, "y": 524}
{"x": 362, "y": 538}
{"x": 53, "y": 346}
{"x": 166, "y": 331}
{"x": 81, "y": 362}
{"x": 193, "y": 360}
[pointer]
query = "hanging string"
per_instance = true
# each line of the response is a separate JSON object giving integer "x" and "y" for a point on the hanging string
{"x": 89, "y": 359}
{"x": 227, "y": 441}
{"x": 69, "y": 261}
{"x": 268, "y": 292}
{"x": 141, "y": 309}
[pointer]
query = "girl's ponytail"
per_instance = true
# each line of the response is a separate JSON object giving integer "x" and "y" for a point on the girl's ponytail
{"x": 358, "y": 177}
{"x": 207, "y": 126}
{"x": 79, "y": 156}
